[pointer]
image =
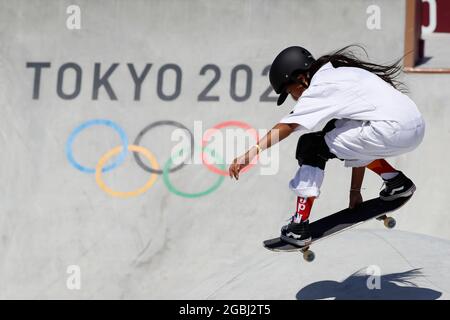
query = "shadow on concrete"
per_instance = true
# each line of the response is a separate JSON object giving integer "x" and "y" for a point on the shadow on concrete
{"x": 424, "y": 60}
{"x": 395, "y": 286}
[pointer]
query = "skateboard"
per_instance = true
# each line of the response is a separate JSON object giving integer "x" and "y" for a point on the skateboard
{"x": 340, "y": 221}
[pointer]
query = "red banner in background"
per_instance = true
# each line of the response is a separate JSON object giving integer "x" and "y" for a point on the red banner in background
{"x": 436, "y": 15}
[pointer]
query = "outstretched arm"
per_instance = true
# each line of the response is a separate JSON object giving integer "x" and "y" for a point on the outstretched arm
{"x": 355, "y": 187}
{"x": 279, "y": 132}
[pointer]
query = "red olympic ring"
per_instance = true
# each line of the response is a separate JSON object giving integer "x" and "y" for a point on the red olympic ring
{"x": 232, "y": 123}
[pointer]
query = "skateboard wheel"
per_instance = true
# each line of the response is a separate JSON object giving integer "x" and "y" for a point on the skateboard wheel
{"x": 390, "y": 223}
{"x": 308, "y": 255}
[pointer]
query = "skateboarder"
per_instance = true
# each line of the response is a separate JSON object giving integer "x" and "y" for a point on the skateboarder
{"x": 355, "y": 112}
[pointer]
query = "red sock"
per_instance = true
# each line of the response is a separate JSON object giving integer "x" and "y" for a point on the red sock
{"x": 380, "y": 166}
{"x": 303, "y": 210}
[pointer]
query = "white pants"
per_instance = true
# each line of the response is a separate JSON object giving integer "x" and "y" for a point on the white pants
{"x": 359, "y": 143}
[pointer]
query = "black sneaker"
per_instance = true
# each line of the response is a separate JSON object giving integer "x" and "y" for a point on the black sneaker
{"x": 297, "y": 234}
{"x": 397, "y": 187}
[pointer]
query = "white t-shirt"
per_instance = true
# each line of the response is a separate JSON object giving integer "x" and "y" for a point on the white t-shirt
{"x": 349, "y": 93}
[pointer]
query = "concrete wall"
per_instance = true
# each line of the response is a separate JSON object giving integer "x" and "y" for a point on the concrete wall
{"x": 52, "y": 215}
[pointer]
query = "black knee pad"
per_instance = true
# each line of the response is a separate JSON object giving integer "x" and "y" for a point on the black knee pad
{"x": 312, "y": 150}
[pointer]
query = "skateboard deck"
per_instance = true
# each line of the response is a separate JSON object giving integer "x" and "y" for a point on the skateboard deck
{"x": 341, "y": 221}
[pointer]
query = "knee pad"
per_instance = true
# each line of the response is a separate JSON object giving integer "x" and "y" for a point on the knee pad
{"x": 312, "y": 150}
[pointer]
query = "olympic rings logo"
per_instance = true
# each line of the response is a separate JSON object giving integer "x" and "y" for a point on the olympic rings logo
{"x": 120, "y": 153}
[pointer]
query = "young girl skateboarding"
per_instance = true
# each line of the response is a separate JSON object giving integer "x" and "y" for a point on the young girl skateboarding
{"x": 355, "y": 113}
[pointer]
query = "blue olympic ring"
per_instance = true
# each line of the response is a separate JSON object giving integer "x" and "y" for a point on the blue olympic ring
{"x": 119, "y": 160}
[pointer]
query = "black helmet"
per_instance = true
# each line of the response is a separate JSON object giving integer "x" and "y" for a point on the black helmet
{"x": 288, "y": 64}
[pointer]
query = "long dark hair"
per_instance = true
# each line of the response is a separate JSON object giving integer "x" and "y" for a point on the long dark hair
{"x": 346, "y": 57}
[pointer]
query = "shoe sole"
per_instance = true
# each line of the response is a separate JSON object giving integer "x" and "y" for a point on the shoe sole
{"x": 298, "y": 243}
{"x": 407, "y": 193}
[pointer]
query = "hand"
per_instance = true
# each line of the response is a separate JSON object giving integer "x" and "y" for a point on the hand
{"x": 355, "y": 199}
{"x": 241, "y": 162}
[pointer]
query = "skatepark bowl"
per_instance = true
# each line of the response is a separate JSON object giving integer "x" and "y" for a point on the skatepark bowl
{"x": 94, "y": 97}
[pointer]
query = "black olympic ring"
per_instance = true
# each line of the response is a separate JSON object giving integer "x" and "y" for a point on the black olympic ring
{"x": 148, "y": 128}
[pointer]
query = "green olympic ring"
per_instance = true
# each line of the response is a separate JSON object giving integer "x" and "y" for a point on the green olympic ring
{"x": 174, "y": 190}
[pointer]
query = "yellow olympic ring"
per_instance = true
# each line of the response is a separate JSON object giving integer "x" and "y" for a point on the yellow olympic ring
{"x": 113, "y": 152}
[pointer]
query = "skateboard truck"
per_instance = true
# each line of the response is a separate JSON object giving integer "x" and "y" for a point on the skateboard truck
{"x": 389, "y": 222}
